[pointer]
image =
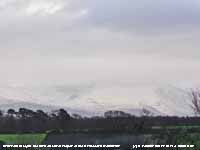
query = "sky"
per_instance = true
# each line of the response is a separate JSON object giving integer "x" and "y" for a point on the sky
{"x": 113, "y": 52}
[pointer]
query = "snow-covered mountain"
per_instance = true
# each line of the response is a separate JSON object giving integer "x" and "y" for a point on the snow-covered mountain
{"x": 171, "y": 101}
{"x": 76, "y": 99}
{"x": 175, "y": 101}
{"x": 16, "y": 104}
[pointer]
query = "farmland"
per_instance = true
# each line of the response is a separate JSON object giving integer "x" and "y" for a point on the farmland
{"x": 22, "y": 138}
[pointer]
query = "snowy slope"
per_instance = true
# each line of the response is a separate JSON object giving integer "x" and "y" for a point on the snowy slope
{"x": 74, "y": 98}
{"x": 16, "y": 104}
{"x": 79, "y": 99}
{"x": 174, "y": 101}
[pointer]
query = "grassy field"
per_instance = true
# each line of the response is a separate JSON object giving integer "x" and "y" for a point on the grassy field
{"x": 22, "y": 138}
{"x": 182, "y": 136}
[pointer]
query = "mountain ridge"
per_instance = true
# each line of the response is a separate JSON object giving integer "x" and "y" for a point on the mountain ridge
{"x": 16, "y": 104}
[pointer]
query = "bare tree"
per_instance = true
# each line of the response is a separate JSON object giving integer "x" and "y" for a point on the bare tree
{"x": 195, "y": 97}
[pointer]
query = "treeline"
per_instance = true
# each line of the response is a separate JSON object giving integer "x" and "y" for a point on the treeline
{"x": 26, "y": 121}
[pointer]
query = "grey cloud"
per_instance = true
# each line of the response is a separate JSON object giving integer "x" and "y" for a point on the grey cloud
{"x": 138, "y": 16}
{"x": 146, "y": 15}
{"x": 112, "y": 37}
{"x": 73, "y": 97}
{"x": 71, "y": 92}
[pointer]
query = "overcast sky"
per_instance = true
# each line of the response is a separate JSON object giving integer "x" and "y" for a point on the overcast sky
{"x": 125, "y": 46}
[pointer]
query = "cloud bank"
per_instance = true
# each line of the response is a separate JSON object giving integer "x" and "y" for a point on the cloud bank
{"x": 120, "y": 45}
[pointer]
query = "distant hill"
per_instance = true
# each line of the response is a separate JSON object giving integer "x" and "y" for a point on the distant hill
{"x": 174, "y": 101}
{"x": 16, "y": 104}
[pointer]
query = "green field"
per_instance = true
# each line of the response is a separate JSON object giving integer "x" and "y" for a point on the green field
{"x": 181, "y": 136}
{"x": 22, "y": 138}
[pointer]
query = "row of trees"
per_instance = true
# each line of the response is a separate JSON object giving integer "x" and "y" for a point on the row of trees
{"x": 24, "y": 113}
{"x": 26, "y": 120}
